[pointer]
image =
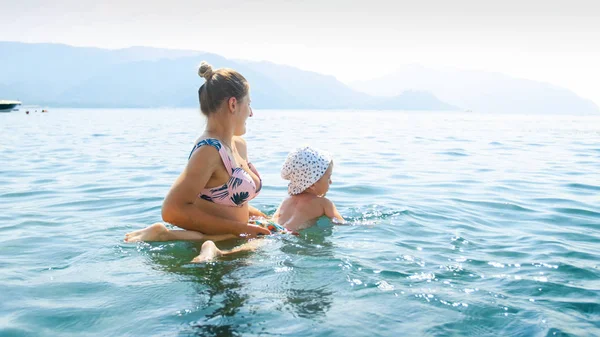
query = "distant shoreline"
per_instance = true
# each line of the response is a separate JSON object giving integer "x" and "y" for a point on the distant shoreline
{"x": 310, "y": 110}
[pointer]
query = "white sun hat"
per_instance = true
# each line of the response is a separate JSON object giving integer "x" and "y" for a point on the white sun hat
{"x": 303, "y": 167}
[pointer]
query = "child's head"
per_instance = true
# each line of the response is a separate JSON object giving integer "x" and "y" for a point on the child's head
{"x": 308, "y": 170}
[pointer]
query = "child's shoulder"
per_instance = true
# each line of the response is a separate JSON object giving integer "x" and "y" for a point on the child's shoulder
{"x": 308, "y": 200}
{"x": 318, "y": 201}
{"x": 325, "y": 202}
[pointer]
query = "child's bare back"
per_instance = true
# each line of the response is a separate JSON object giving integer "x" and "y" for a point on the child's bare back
{"x": 299, "y": 212}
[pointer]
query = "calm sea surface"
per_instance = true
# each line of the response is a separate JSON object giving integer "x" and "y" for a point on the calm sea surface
{"x": 461, "y": 224}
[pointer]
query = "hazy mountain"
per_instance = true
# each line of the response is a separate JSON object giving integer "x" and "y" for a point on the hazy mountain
{"x": 60, "y": 75}
{"x": 481, "y": 91}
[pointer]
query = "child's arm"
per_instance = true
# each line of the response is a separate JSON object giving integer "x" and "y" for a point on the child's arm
{"x": 332, "y": 212}
{"x": 276, "y": 215}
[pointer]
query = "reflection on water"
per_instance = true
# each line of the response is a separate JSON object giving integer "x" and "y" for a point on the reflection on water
{"x": 219, "y": 286}
{"x": 309, "y": 303}
{"x": 225, "y": 289}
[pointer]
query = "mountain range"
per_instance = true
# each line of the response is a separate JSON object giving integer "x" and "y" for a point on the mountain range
{"x": 480, "y": 91}
{"x": 61, "y": 75}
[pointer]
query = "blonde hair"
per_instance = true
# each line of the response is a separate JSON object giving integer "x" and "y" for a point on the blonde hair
{"x": 220, "y": 85}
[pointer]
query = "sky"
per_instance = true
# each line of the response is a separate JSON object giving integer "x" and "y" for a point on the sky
{"x": 549, "y": 41}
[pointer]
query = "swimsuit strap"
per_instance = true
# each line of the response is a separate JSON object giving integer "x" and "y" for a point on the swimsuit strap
{"x": 227, "y": 161}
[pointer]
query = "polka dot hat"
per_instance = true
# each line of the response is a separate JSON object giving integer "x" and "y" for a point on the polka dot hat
{"x": 303, "y": 167}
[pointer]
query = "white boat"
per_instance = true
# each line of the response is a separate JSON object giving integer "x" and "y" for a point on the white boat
{"x": 8, "y": 106}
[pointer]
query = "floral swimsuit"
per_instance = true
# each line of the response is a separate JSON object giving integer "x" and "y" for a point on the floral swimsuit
{"x": 239, "y": 189}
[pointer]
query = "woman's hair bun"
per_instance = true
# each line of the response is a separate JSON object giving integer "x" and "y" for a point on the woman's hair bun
{"x": 205, "y": 70}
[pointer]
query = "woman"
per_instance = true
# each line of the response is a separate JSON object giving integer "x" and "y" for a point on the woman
{"x": 210, "y": 197}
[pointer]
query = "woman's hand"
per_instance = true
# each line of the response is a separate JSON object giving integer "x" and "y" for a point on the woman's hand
{"x": 255, "y": 213}
{"x": 252, "y": 231}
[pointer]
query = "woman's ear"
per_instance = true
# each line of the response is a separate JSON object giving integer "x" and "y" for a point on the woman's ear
{"x": 232, "y": 104}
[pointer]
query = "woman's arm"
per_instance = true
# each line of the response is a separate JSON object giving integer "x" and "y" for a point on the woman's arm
{"x": 254, "y": 212}
{"x": 178, "y": 206}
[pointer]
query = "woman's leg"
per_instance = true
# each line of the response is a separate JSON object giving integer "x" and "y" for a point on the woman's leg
{"x": 158, "y": 232}
{"x": 210, "y": 251}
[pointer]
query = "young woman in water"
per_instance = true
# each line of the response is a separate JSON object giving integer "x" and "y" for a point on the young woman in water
{"x": 209, "y": 199}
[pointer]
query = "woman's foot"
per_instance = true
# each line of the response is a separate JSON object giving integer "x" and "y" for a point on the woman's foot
{"x": 208, "y": 252}
{"x": 156, "y": 232}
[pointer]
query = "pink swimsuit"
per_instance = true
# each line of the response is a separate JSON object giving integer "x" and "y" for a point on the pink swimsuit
{"x": 239, "y": 189}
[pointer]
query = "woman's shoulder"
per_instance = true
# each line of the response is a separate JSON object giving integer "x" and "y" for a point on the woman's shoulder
{"x": 239, "y": 139}
{"x": 206, "y": 150}
{"x": 202, "y": 140}
{"x": 240, "y": 145}
{"x": 239, "y": 142}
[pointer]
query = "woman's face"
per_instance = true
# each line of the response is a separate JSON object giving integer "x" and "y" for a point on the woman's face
{"x": 243, "y": 111}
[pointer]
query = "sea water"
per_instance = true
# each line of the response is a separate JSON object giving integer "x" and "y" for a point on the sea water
{"x": 458, "y": 224}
